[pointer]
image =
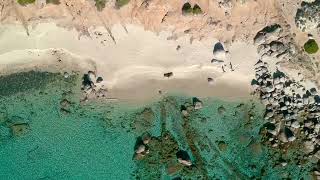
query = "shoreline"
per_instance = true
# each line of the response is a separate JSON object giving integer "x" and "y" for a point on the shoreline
{"x": 160, "y": 89}
{"x": 174, "y": 87}
{"x": 137, "y": 74}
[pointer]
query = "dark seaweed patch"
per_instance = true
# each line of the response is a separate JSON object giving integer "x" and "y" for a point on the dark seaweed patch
{"x": 24, "y": 81}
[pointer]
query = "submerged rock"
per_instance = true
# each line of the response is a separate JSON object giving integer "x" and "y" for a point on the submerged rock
{"x": 141, "y": 148}
{"x": 66, "y": 75}
{"x": 146, "y": 138}
{"x": 65, "y": 106}
{"x": 184, "y": 111}
{"x": 184, "y": 158}
{"x": 18, "y": 130}
{"x": 221, "y": 110}
{"x": 197, "y": 103}
{"x": 223, "y": 146}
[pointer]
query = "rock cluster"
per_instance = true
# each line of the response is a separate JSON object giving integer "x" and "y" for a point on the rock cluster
{"x": 187, "y": 108}
{"x": 272, "y": 41}
{"x": 141, "y": 148}
{"x": 308, "y": 16}
{"x": 292, "y": 111}
{"x": 92, "y": 86}
{"x": 226, "y": 5}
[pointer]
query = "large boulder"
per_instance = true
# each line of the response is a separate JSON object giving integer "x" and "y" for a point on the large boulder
{"x": 268, "y": 34}
{"x": 218, "y": 52}
{"x": 183, "y": 158}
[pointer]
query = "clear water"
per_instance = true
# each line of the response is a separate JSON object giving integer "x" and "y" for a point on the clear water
{"x": 96, "y": 140}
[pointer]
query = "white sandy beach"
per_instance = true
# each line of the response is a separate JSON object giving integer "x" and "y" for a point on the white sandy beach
{"x": 132, "y": 68}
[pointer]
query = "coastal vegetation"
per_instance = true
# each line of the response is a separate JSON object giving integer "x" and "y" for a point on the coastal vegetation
{"x": 56, "y": 2}
{"x": 188, "y": 10}
{"x": 196, "y": 9}
{"x": 120, "y": 3}
{"x": 25, "y": 2}
{"x": 311, "y": 46}
{"x": 25, "y": 82}
{"x": 100, "y": 4}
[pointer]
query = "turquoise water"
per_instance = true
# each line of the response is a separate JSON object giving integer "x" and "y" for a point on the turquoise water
{"x": 42, "y": 138}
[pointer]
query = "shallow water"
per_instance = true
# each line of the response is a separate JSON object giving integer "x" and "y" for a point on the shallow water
{"x": 41, "y": 137}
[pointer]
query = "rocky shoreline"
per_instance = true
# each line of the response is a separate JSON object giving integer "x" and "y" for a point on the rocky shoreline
{"x": 292, "y": 108}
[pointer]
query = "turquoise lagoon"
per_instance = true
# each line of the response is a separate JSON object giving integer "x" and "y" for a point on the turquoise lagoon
{"x": 46, "y": 133}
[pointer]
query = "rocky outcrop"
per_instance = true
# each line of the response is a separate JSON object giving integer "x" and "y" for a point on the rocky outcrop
{"x": 226, "y": 5}
{"x": 141, "y": 147}
{"x": 274, "y": 41}
{"x": 308, "y": 16}
{"x": 93, "y": 87}
{"x": 292, "y": 111}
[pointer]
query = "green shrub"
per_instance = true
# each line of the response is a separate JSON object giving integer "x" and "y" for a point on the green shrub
{"x": 311, "y": 46}
{"x": 186, "y": 8}
{"x": 25, "y": 2}
{"x": 120, "y": 3}
{"x": 100, "y": 4}
{"x": 196, "y": 9}
{"x": 56, "y": 2}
